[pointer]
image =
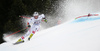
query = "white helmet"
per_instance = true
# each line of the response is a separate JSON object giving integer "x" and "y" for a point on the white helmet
{"x": 35, "y": 14}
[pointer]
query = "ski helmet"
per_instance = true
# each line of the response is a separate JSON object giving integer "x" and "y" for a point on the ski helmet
{"x": 35, "y": 14}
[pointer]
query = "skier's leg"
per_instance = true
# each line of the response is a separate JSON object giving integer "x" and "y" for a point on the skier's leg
{"x": 35, "y": 28}
{"x": 31, "y": 35}
{"x": 23, "y": 37}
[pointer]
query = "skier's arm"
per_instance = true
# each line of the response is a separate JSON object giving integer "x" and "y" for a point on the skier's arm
{"x": 43, "y": 18}
{"x": 28, "y": 23}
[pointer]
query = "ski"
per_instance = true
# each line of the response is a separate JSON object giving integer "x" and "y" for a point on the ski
{"x": 18, "y": 43}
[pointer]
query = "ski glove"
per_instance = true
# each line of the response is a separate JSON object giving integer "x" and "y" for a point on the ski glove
{"x": 45, "y": 20}
{"x": 29, "y": 25}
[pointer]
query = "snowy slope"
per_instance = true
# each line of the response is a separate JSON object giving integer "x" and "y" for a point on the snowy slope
{"x": 82, "y": 34}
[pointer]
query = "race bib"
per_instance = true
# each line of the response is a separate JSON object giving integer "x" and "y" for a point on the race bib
{"x": 37, "y": 22}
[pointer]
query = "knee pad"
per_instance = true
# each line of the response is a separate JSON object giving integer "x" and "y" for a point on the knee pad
{"x": 22, "y": 37}
{"x": 33, "y": 32}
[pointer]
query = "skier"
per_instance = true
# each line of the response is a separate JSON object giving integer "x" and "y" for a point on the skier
{"x": 36, "y": 20}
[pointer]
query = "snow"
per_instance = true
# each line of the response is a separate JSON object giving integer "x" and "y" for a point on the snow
{"x": 82, "y": 34}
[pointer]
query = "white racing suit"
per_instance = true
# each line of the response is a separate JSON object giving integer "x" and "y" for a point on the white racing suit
{"x": 35, "y": 26}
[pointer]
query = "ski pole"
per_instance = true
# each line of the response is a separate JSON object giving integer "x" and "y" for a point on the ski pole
{"x": 16, "y": 32}
{"x": 24, "y": 17}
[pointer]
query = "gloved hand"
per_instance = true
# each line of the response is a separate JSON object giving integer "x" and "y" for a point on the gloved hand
{"x": 45, "y": 20}
{"x": 29, "y": 25}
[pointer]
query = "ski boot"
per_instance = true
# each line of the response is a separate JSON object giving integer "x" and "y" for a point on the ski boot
{"x": 20, "y": 40}
{"x": 30, "y": 36}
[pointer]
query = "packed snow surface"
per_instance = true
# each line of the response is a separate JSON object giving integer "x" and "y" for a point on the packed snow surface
{"x": 82, "y": 34}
